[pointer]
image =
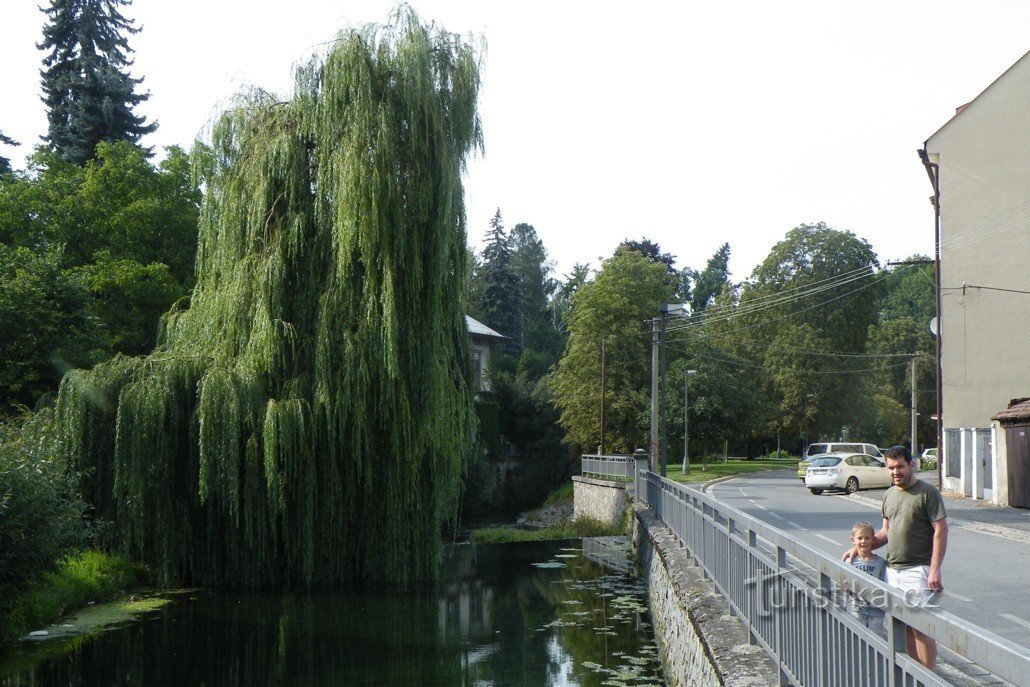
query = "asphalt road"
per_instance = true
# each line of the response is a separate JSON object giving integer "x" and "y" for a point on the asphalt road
{"x": 985, "y": 576}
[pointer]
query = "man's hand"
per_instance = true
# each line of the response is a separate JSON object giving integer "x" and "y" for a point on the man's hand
{"x": 934, "y": 580}
{"x": 849, "y": 554}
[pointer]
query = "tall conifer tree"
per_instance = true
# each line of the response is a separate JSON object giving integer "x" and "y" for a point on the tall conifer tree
{"x": 502, "y": 291}
{"x": 87, "y": 89}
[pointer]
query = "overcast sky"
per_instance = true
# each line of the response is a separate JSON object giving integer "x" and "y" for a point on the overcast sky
{"x": 689, "y": 123}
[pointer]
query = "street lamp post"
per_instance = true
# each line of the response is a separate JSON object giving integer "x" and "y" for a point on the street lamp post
{"x": 686, "y": 420}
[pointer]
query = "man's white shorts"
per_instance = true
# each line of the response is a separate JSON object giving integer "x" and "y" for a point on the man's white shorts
{"x": 913, "y": 583}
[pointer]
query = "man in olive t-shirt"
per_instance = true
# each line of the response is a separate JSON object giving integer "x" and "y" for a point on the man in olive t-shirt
{"x": 915, "y": 530}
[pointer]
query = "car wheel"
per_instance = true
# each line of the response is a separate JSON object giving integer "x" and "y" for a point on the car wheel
{"x": 816, "y": 491}
{"x": 852, "y": 485}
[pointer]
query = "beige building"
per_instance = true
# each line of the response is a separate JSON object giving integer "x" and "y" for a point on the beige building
{"x": 979, "y": 163}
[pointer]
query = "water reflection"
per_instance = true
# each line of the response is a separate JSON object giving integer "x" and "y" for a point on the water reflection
{"x": 502, "y": 614}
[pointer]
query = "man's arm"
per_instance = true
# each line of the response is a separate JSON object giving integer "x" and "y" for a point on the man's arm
{"x": 940, "y": 545}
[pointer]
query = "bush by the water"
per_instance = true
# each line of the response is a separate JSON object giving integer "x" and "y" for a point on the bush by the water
{"x": 78, "y": 579}
{"x": 41, "y": 512}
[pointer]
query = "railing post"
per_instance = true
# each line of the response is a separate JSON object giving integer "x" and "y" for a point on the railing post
{"x": 778, "y": 608}
{"x": 822, "y": 649}
{"x": 640, "y": 466}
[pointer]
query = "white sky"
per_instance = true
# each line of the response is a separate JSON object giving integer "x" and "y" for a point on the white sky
{"x": 690, "y": 123}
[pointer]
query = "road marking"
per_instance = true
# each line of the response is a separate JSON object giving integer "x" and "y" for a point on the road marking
{"x": 776, "y": 515}
{"x": 1017, "y": 621}
{"x": 742, "y": 492}
{"x": 960, "y": 597}
{"x": 823, "y": 536}
{"x": 794, "y": 524}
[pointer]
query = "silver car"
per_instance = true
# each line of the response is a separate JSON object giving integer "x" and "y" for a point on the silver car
{"x": 848, "y": 472}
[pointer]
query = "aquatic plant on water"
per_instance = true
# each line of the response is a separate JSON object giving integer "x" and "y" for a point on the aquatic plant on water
{"x": 305, "y": 416}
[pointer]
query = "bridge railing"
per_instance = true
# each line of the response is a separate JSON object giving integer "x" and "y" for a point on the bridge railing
{"x": 613, "y": 467}
{"x": 790, "y": 597}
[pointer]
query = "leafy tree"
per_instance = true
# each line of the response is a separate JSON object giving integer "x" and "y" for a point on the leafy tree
{"x": 5, "y": 162}
{"x": 47, "y": 326}
{"x": 814, "y": 296}
{"x": 614, "y": 307}
{"x": 87, "y": 89}
{"x": 127, "y": 230}
{"x": 653, "y": 252}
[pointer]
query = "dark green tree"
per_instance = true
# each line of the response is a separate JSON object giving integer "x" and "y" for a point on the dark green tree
{"x": 711, "y": 281}
{"x": 501, "y": 293}
{"x": 48, "y": 326}
{"x": 561, "y": 303}
{"x": 5, "y": 162}
{"x": 542, "y": 341}
{"x": 87, "y": 89}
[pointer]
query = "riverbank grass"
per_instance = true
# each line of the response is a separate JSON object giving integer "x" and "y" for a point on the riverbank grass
{"x": 583, "y": 527}
{"x": 78, "y": 579}
{"x": 716, "y": 468}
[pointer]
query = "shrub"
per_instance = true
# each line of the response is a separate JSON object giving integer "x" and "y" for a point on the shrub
{"x": 41, "y": 511}
{"x": 77, "y": 580}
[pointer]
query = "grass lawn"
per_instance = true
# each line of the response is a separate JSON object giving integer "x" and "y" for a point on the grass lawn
{"x": 716, "y": 468}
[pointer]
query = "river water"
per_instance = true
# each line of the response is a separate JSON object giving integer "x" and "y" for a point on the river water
{"x": 526, "y": 614}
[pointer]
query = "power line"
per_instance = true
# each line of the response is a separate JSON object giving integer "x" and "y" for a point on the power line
{"x": 694, "y": 325}
{"x": 741, "y": 363}
{"x": 985, "y": 288}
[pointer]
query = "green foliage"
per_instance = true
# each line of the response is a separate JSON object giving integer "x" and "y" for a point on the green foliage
{"x": 91, "y": 257}
{"x": 623, "y": 296}
{"x": 119, "y": 206}
{"x": 711, "y": 281}
{"x": 501, "y": 294}
{"x": 47, "y": 323}
{"x": 581, "y": 527}
{"x": 305, "y": 419}
{"x": 562, "y": 494}
{"x": 5, "y": 162}
{"x": 87, "y": 89}
{"x": 785, "y": 328}
{"x": 41, "y": 513}
{"x": 78, "y": 579}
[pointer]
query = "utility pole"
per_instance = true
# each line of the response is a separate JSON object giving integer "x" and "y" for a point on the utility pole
{"x": 661, "y": 380}
{"x": 915, "y": 443}
{"x": 654, "y": 394}
{"x": 686, "y": 420}
{"x": 602, "y": 395}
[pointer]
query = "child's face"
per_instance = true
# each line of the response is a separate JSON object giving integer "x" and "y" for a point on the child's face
{"x": 863, "y": 539}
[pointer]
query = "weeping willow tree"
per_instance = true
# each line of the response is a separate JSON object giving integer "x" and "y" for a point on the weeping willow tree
{"x": 305, "y": 416}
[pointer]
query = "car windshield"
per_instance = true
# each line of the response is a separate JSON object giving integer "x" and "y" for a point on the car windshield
{"x": 817, "y": 448}
{"x": 825, "y": 462}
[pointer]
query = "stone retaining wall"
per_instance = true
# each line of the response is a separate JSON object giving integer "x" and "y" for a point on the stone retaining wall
{"x": 701, "y": 643}
{"x": 599, "y": 499}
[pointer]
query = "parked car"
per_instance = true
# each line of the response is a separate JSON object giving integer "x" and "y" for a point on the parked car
{"x": 834, "y": 447}
{"x": 849, "y": 472}
{"x": 928, "y": 459}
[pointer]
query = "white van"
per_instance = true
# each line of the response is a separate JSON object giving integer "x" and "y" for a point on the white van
{"x": 843, "y": 447}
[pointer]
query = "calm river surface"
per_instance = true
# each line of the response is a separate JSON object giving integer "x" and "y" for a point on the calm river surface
{"x": 530, "y": 614}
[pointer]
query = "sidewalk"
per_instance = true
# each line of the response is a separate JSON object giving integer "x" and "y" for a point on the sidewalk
{"x": 982, "y": 516}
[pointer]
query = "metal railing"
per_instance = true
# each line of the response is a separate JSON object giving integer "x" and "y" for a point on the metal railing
{"x": 789, "y": 597}
{"x": 620, "y": 468}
